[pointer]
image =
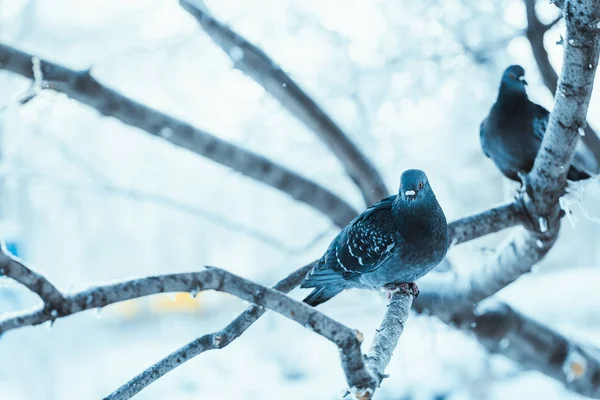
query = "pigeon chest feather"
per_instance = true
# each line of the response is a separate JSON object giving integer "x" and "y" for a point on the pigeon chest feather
{"x": 424, "y": 240}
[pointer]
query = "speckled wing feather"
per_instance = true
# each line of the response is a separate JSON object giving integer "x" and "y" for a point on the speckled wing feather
{"x": 361, "y": 247}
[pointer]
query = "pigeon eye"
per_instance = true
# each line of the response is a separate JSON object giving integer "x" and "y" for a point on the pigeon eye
{"x": 511, "y": 76}
{"x": 420, "y": 185}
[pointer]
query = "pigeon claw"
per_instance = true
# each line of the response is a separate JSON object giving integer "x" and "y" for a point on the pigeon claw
{"x": 404, "y": 287}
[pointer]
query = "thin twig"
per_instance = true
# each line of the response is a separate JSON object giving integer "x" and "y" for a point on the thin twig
{"x": 16, "y": 269}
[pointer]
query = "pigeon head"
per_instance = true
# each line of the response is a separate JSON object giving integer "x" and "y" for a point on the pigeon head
{"x": 513, "y": 80}
{"x": 414, "y": 185}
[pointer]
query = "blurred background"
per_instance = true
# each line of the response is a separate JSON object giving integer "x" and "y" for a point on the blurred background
{"x": 86, "y": 199}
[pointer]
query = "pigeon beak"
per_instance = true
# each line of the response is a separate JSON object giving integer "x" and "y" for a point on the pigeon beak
{"x": 410, "y": 194}
{"x": 522, "y": 79}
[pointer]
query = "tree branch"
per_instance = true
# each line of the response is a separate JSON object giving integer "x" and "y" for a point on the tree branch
{"x": 348, "y": 340}
{"x": 388, "y": 334}
{"x": 253, "y": 62}
{"x": 360, "y": 379}
{"x": 535, "y": 35}
{"x": 386, "y": 338}
{"x": 212, "y": 341}
{"x": 548, "y": 176}
{"x": 81, "y": 86}
{"x": 490, "y": 221}
{"x": 501, "y": 329}
{"x": 551, "y": 25}
{"x": 15, "y": 269}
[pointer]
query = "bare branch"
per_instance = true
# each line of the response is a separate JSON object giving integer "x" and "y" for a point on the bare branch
{"x": 490, "y": 221}
{"x": 15, "y": 269}
{"x": 358, "y": 376}
{"x": 551, "y": 25}
{"x": 212, "y": 341}
{"x": 535, "y": 34}
{"x": 253, "y": 62}
{"x": 548, "y": 177}
{"x": 558, "y": 3}
{"x": 388, "y": 334}
{"x": 456, "y": 293}
{"x": 532, "y": 345}
{"x": 81, "y": 86}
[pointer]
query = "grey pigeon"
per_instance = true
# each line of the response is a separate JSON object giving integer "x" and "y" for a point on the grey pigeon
{"x": 390, "y": 245}
{"x": 512, "y": 132}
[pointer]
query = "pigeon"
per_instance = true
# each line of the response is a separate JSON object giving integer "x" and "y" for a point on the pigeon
{"x": 512, "y": 132}
{"x": 389, "y": 246}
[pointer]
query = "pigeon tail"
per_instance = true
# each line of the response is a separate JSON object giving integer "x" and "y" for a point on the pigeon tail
{"x": 322, "y": 294}
{"x": 327, "y": 283}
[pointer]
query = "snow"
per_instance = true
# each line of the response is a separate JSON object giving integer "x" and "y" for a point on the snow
{"x": 543, "y": 224}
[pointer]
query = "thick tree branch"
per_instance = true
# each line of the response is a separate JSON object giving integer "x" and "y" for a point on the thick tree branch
{"x": 455, "y": 293}
{"x": 15, "y": 269}
{"x": 548, "y": 177}
{"x": 81, "y": 86}
{"x": 490, "y": 221}
{"x": 253, "y": 62}
{"x": 501, "y": 329}
{"x": 535, "y": 34}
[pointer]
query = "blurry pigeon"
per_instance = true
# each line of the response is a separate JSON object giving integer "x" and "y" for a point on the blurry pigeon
{"x": 512, "y": 132}
{"x": 390, "y": 245}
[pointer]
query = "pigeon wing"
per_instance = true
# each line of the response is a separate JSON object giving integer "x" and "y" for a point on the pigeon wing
{"x": 369, "y": 240}
{"x": 540, "y": 120}
{"x": 362, "y": 246}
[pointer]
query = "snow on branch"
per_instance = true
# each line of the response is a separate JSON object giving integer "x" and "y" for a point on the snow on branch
{"x": 257, "y": 65}
{"x": 14, "y": 268}
{"x": 81, "y": 86}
